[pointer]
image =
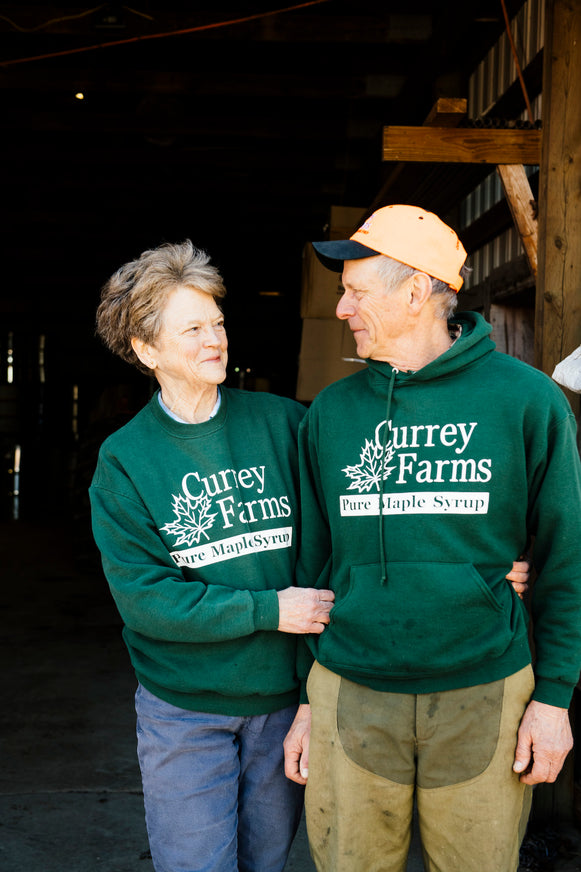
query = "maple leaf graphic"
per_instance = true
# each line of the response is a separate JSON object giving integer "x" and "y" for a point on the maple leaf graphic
{"x": 367, "y": 474}
{"x": 193, "y": 518}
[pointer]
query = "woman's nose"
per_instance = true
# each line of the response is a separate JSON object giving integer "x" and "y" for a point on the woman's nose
{"x": 211, "y": 337}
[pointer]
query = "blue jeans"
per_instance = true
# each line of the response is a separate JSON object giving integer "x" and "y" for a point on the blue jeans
{"x": 216, "y": 797}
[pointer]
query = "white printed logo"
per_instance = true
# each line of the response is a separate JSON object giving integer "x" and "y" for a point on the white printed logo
{"x": 235, "y": 546}
{"x": 373, "y": 464}
{"x": 193, "y": 518}
{"x": 239, "y": 500}
{"x": 406, "y": 454}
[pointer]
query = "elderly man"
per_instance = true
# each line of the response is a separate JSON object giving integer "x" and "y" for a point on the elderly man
{"x": 421, "y": 477}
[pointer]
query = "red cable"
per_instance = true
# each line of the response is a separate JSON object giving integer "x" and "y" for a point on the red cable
{"x": 200, "y": 27}
{"x": 518, "y": 69}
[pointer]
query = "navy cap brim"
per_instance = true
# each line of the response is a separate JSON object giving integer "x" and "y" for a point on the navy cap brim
{"x": 333, "y": 252}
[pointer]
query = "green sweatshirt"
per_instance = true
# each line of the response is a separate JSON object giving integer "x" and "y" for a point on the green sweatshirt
{"x": 196, "y": 525}
{"x": 479, "y": 454}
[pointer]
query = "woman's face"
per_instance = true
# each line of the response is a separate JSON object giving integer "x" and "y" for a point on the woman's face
{"x": 191, "y": 348}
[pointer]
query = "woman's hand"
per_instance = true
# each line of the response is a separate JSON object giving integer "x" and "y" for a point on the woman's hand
{"x": 304, "y": 609}
{"x": 519, "y": 576}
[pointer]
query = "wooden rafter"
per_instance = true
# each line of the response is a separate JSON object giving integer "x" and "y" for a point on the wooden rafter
{"x": 523, "y": 208}
{"x": 462, "y": 145}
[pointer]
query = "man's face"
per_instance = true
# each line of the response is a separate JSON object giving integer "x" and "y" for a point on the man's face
{"x": 376, "y": 316}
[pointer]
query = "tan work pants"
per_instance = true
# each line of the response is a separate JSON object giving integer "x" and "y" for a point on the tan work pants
{"x": 371, "y": 752}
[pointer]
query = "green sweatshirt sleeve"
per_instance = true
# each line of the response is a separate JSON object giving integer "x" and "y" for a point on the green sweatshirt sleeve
{"x": 555, "y": 510}
{"x": 152, "y": 594}
{"x": 305, "y": 660}
{"x": 314, "y": 560}
{"x": 315, "y": 543}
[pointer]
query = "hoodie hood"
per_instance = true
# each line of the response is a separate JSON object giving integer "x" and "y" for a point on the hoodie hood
{"x": 472, "y": 346}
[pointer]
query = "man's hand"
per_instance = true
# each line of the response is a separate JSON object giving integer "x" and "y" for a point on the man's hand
{"x": 519, "y": 576}
{"x": 304, "y": 609}
{"x": 296, "y": 746}
{"x": 544, "y": 740}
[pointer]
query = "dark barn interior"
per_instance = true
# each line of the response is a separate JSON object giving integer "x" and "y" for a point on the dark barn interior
{"x": 239, "y": 137}
{"x": 235, "y": 124}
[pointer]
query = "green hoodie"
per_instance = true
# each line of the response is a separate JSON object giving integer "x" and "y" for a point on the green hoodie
{"x": 196, "y": 527}
{"x": 479, "y": 454}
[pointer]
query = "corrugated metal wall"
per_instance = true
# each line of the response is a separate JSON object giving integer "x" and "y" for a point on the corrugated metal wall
{"x": 498, "y": 70}
{"x": 491, "y": 79}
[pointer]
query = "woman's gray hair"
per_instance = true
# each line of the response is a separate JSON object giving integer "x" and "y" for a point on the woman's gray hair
{"x": 133, "y": 299}
{"x": 393, "y": 273}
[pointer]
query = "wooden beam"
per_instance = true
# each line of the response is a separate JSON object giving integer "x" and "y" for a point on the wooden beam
{"x": 558, "y": 315}
{"x": 447, "y": 112}
{"x": 523, "y": 208}
{"x": 461, "y": 145}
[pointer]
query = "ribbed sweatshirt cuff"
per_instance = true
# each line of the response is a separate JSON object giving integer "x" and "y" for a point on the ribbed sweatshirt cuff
{"x": 552, "y": 692}
{"x": 266, "y": 614}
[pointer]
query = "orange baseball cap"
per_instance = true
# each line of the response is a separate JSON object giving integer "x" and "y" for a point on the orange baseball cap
{"x": 405, "y": 233}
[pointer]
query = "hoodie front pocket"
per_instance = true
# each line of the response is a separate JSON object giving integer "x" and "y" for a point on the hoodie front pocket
{"x": 427, "y": 618}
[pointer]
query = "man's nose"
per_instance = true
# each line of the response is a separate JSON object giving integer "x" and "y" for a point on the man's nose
{"x": 344, "y": 308}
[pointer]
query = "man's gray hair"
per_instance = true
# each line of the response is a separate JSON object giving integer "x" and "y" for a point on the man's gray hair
{"x": 393, "y": 273}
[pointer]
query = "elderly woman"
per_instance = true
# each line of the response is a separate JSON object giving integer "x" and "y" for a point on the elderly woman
{"x": 194, "y": 506}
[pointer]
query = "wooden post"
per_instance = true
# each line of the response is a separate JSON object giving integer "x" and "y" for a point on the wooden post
{"x": 558, "y": 303}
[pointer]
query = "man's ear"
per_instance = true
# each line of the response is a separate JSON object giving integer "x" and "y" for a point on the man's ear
{"x": 420, "y": 290}
{"x": 144, "y": 352}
